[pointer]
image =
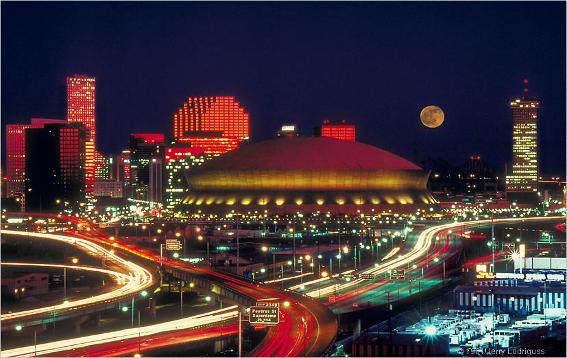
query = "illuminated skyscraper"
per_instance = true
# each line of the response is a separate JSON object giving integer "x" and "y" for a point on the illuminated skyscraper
{"x": 102, "y": 168}
{"x": 55, "y": 167}
{"x": 521, "y": 184}
{"x": 81, "y": 101}
{"x": 179, "y": 159}
{"x": 338, "y": 130}
{"x": 81, "y": 104}
{"x": 16, "y": 155}
{"x": 216, "y": 124}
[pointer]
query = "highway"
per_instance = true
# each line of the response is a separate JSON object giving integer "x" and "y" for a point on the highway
{"x": 427, "y": 251}
{"x": 100, "y": 343}
{"x": 134, "y": 279}
{"x": 306, "y": 328}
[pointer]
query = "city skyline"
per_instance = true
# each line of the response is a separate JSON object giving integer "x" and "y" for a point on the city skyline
{"x": 283, "y": 179}
{"x": 390, "y": 107}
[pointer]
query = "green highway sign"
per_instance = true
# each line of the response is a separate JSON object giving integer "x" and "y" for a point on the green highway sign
{"x": 264, "y": 315}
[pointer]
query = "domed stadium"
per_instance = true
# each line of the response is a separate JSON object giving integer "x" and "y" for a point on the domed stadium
{"x": 307, "y": 174}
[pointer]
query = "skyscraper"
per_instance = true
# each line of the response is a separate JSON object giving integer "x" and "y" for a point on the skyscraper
{"x": 144, "y": 147}
{"x": 216, "y": 124}
{"x": 521, "y": 184}
{"x": 81, "y": 104}
{"x": 55, "y": 167}
{"x": 178, "y": 160}
{"x": 16, "y": 155}
{"x": 338, "y": 130}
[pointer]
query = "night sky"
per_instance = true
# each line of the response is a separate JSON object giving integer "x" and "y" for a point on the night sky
{"x": 374, "y": 64}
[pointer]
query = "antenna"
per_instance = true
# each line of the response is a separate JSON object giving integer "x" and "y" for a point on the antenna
{"x": 526, "y": 85}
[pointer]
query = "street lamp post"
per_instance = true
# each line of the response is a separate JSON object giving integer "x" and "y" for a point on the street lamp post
{"x": 237, "y": 246}
{"x": 181, "y": 298}
{"x": 139, "y": 333}
{"x": 64, "y": 283}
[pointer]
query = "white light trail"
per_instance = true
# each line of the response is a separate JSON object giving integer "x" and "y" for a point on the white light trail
{"x": 391, "y": 253}
{"x": 138, "y": 277}
{"x": 421, "y": 248}
{"x": 212, "y": 317}
{"x": 289, "y": 278}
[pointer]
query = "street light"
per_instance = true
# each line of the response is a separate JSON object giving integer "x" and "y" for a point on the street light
{"x": 430, "y": 330}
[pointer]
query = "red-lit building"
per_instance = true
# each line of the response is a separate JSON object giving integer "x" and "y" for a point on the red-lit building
{"x": 150, "y": 138}
{"x": 81, "y": 104}
{"x": 338, "y": 130}
{"x": 216, "y": 124}
{"x": 81, "y": 101}
{"x": 16, "y": 155}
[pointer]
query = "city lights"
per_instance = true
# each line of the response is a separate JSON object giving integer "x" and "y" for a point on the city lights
{"x": 275, "y": 182}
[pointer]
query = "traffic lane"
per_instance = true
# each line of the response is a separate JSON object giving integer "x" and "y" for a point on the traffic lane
{"x": 135, "y": 345}
{"x": 295, "y": 335}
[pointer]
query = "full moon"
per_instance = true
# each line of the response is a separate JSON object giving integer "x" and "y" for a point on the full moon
{"x": 432, "y": 116}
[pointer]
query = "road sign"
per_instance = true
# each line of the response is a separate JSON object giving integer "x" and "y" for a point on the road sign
{"x": 398, "y": 274}
{"x": 264, "y": 315}
{"x": 367, "y": 276}
{"x": 267, "y": 304}
{"x": 172, "y": 245}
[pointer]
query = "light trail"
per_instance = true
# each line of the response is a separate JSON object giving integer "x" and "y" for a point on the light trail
{"x": 139, "y": 278}
{"x": 120, "y": 277}
{"x": 289, "y": 278}
{"x": 391, "y": 253}
{"x": 421, "y": 248}
{"x": 208, "y": 318}
{"x": 312, "y": 282}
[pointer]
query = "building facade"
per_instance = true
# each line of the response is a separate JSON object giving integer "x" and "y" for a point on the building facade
{"x": 81, "y": 108}
{"x": 144, "y": 149}
{"x": 522, "y": 182}
{"x": 291, "y": 174}
{"x": 179, "y": 159}
{"x": 110, "y": 188}
{"x": 55, "y": 167}
{"x": 16, "y": 155}
{"x": 216, "y": 124}
{"x": 337, "y": 129}
{"x": 515, "y": 293}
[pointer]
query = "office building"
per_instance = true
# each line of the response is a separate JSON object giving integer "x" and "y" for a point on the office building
{"x": 216, "y": 124}
{"x": 109, "y": 188}
{"x": 16, "y": 155}
{"x": 178, "y": 160}
{"x": 337, "y": 129}
{"x": 155, "y": 184}
{"x": 102, "y": 166}
{"x": 55, "y": 167}
{"x": 144, "y": 147}
{"x": 81, "y": 106}
{"x": 522, "y": 182}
